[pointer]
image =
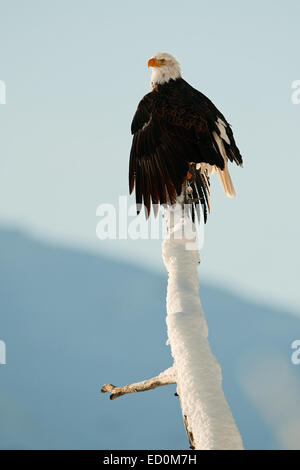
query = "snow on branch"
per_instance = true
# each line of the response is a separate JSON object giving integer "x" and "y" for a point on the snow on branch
{"x": 205, "y": 410}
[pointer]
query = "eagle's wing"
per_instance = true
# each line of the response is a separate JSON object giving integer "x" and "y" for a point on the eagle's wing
{"x": 157, "y": 164}
{"x": 217, "y": 124}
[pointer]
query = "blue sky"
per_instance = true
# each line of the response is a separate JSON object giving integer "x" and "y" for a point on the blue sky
{"x": 75, "y": 71}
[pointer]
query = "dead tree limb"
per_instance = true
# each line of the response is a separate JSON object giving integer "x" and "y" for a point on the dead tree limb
{"x": 206, "y": 414}
{"x": 167, "y": 377}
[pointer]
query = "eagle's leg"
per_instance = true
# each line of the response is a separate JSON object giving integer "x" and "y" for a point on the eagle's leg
{"x": 188, "y": 185}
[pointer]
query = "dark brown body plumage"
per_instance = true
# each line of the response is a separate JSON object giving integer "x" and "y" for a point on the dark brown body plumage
{"x": 173, "y": 126}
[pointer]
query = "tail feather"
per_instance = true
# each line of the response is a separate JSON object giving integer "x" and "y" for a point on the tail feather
{"x": 225, "y": 180}
{"x": 223, "y": 175}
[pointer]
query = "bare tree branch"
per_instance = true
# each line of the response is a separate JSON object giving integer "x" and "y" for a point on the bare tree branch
{"x": 164, "y": 378}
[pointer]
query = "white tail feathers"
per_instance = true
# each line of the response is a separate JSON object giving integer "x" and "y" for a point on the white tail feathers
{"x": 223, "y": 175}
{"x": 225, "y": 180}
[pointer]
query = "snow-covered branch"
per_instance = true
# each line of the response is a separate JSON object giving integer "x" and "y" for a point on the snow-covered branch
{"x": 206, "y": 413}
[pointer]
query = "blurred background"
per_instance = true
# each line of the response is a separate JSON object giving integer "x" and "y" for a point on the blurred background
{"x": 77, "y": 312}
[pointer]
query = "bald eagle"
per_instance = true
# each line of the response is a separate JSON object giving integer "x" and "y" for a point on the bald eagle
{"x": 179, "y": 139}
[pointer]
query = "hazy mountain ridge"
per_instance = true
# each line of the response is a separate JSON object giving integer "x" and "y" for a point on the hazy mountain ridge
{"x": 73, "y": 321}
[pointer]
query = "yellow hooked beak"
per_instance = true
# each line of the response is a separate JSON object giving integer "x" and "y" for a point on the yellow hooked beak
{"x": 154, "y": 62}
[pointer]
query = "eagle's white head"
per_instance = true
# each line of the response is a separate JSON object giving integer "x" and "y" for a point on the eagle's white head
{"x": 164, "y": 68}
